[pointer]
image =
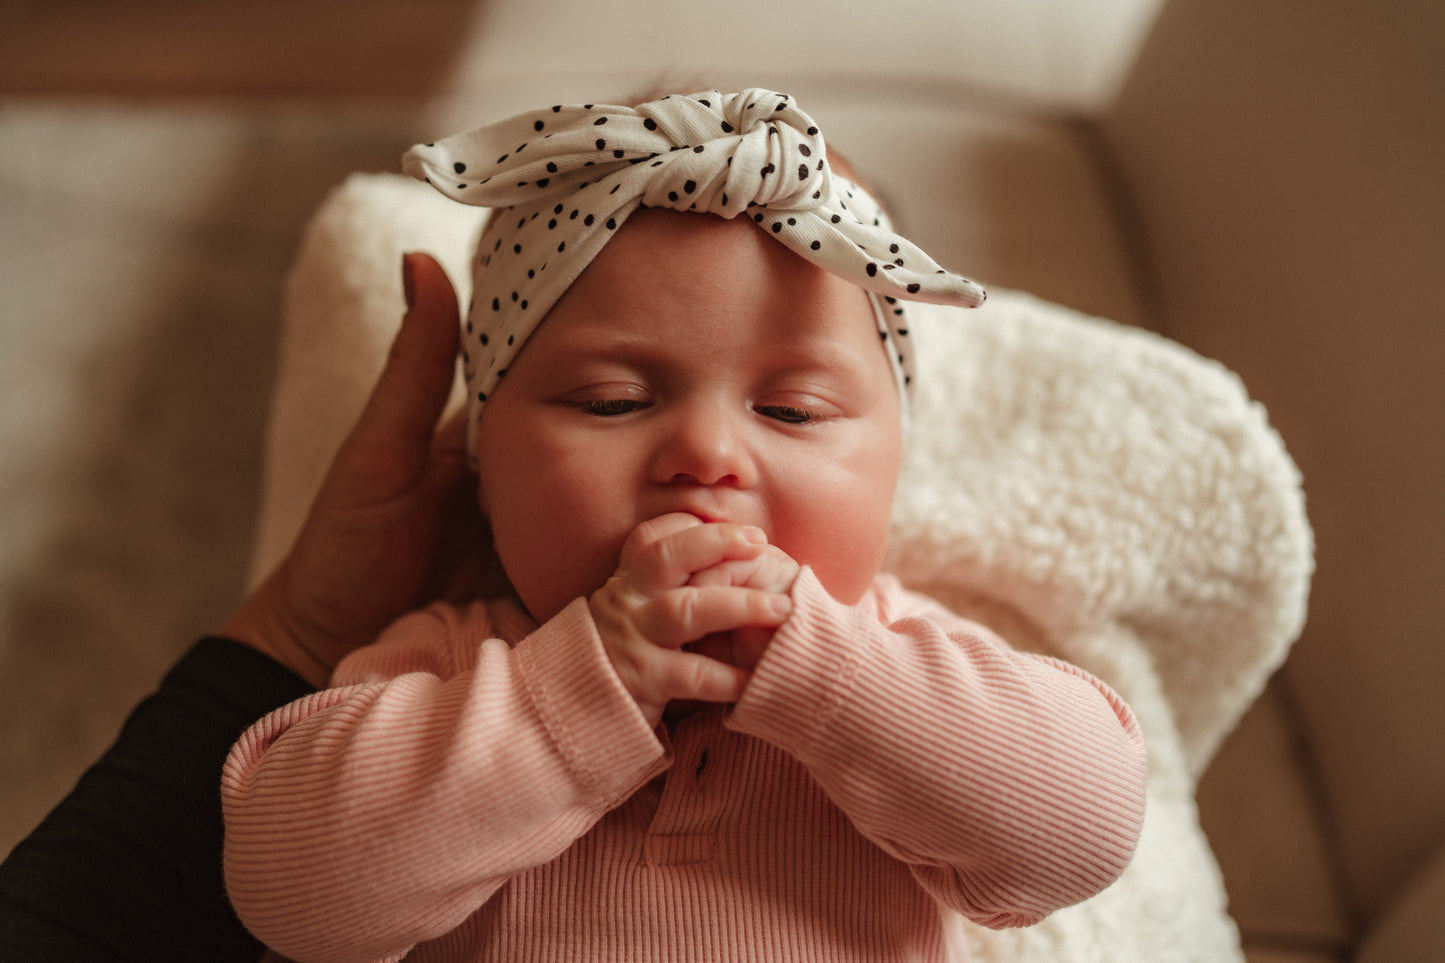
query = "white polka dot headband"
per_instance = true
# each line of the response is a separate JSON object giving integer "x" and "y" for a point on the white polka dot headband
{"x": 564, "y": 179}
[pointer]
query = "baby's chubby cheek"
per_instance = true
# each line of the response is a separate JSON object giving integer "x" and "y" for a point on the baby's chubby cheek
{"x": 847, "y": 559}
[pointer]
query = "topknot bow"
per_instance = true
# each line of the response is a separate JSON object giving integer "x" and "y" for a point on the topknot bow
{"x": 713, "y": 152}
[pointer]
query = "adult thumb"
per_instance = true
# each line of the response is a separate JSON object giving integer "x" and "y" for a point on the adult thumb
{"x": 414, "y": 385}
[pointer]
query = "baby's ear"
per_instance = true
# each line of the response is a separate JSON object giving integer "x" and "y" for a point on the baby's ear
{"x": 467, "y": 565}
{"x": 491, "y": 577}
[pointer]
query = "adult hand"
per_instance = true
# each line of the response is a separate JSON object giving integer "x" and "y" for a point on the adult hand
{"x": 395, "y": 522}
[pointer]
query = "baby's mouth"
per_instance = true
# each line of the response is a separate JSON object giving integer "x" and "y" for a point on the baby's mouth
{"x": 705, "y": 515}
{"x": 697, "y": 508}
{"x": 707, "y": 518}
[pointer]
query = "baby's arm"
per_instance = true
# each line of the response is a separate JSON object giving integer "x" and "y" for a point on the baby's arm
{"x": 1012, "y": 784}
{"x": 365, "y": 819}
{"x": 368, "y": 818}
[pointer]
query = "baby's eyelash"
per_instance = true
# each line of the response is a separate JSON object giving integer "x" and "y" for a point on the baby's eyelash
{"x": 787, "y": 414}
{"x": 610, "y": 407}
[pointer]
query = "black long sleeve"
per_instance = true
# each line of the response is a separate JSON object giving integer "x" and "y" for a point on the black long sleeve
{"x": 128, "y": 866}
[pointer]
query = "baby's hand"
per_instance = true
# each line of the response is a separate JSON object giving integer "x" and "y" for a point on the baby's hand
{"x": 772, "y": 570}
{"x": 649, "y": 610}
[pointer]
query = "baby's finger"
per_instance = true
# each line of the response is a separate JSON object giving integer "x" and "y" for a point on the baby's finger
{"x": 656, "y": 528}
{"x": 685, "y": 615}
{"x": 772, "y": 570}
{"x": 671, "y": 560}
{"x": 692, "y": 677}
{"x": 730, "y": 572}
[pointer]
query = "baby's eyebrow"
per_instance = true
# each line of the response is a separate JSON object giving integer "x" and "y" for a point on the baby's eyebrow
{"x": 793, "y": 353}
{"x": 815, "y": 351}
{"x": 593, "y": 342}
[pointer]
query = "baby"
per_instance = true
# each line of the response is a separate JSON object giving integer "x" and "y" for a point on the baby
{"x": 702, "y": 725}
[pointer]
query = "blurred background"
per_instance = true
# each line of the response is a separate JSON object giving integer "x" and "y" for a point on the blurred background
{"x": 157, "y": 163}
{"x": 1260, "y": 180}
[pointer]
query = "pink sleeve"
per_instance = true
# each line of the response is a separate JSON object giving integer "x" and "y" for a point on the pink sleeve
{"x": 364, "y": 819}
{"x": 1012, "y": 784}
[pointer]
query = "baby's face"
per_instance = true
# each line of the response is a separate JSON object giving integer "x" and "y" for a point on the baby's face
{"x": 695, "y": 366}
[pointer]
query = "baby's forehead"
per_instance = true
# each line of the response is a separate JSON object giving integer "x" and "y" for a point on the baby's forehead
{"x": 688, "y": 292}
{"x": 713, "y": 267}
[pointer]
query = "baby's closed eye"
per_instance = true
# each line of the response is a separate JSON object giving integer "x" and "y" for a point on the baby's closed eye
{"x": 787, "y": 413}
{"x": 610, "y": 407}
{"x": 796, "y": 406}
{"x": 607, "y": 400}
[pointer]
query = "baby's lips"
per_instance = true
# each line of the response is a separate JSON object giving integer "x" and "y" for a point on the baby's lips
{"x": 676, "y": 521}
{"x": 703, "y": 515}
{"x": 693, "y": 515}
{"x": 709, "y": 511}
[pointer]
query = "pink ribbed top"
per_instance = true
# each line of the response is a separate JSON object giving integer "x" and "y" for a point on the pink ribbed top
{"x": 479, "y": 788}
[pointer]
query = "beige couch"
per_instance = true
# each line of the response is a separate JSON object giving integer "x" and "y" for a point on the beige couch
{"x": 1291, "y": 207}
{"x": 1258, "y": 179}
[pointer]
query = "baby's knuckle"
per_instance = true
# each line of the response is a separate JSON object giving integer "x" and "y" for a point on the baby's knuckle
{"x": 633, "y": 546}
{"x": 663, "y": 555}
{"x": 684, "y": 606}
{"x": 686, "y": 677}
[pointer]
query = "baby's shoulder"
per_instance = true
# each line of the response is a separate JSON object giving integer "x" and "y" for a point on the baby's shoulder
{"x": 893, "y": 602}
{"x": 440, "y": 639}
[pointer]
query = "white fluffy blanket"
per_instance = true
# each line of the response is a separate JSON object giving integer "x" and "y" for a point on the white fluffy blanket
{"x": 1090, "y": 490}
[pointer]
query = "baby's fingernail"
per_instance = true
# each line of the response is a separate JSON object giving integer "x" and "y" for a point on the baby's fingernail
{"x": 755, "y": 535}
{"x": 782, "y": 605}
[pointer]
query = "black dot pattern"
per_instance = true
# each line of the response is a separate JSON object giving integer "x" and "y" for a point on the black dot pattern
{"x": 567, "y": 177}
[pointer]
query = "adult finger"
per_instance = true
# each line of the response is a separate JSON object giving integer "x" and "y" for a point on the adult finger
{"x": 451, "y": 437}
{"x": 414, "y": 386}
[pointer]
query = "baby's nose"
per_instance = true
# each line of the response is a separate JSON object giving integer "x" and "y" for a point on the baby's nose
{"x": 707, "y": 446}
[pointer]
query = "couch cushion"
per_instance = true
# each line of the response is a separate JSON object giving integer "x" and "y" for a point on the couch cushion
{"x": 962, "y": 112}
{"x": 1285, "y": 158}
{"x": 1055, "y": 52}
